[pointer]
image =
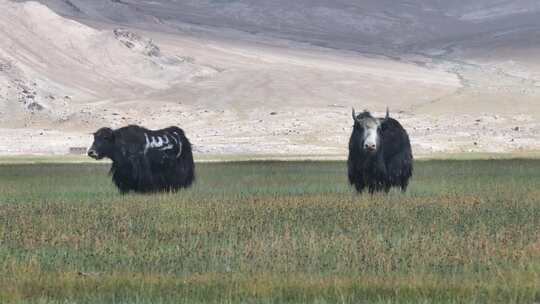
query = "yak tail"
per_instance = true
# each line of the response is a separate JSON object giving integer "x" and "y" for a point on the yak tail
{"x": 187, "y": 162}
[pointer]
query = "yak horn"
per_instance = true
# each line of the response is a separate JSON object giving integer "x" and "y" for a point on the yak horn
{"x": 354, "y": 115}
{"x": 387, "y": 113}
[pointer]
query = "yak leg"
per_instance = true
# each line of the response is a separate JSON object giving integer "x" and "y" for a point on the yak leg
{"x": 378, "y": 186}
{"x": 142, "y": 174}
{"x": 373, "y": 188}
{"x": 359, "y": 186}
{"x": 404, "y": 185}
{"x": 399, "y": 170}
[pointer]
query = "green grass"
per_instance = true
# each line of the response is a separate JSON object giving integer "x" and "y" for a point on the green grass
{"x": 272, "y": 232}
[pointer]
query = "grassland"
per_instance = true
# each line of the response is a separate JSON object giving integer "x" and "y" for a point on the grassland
{"x": 272, "y": 232}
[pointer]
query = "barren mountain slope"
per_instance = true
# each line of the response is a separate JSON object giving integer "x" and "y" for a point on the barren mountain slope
{"x": 382, "y": 26}
{"x": 239, "y": 77}
{"x": 52, "y": 65}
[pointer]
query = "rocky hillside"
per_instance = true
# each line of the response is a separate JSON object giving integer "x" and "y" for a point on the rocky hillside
{"x": 49, "y": 65}
{"x": 270, "y": 77}
{"x": 381, "y": 26}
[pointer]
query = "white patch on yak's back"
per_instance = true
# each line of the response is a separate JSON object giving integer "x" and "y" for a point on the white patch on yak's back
{"x": 163, "y": 143}
{"x": 155, "y": 142}
{"x": 179, "y": 142}
{"x": 147, "y": 144}
{"x": 167, "y": 147}
{"x": 166, "y": 142}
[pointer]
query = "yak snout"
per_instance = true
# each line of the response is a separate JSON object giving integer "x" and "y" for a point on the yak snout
{"x": 93, "y": 153}
{"x": 370, "y": 147}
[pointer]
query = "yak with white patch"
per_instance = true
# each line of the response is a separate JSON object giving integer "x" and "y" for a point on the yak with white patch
{"x": 380, "y": 155}
{"x": 145, "y": 160}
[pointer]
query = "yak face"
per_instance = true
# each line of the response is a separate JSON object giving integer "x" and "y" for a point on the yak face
{"x": 103, "y": 144}
{"x": 369, "y": 130}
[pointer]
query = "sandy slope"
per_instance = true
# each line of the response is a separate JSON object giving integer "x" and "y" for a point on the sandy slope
{"x": 53, "y": 65}
{"x": 244, "y": 94}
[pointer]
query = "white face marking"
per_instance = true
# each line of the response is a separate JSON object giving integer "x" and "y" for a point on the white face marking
{"x": 371, "y": 136}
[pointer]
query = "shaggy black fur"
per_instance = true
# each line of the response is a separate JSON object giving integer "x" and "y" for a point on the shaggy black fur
{"x": 391, "y": 164}
{"x": 144, "y": 160}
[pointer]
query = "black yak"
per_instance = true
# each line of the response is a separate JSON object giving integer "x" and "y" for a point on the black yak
{"x": 380, "y": 155}
{"x": 144, "y": 160}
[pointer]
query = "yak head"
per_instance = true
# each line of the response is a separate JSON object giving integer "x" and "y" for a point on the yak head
{"x": 103, "y": 144}
{"x": 368, "y": 129}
